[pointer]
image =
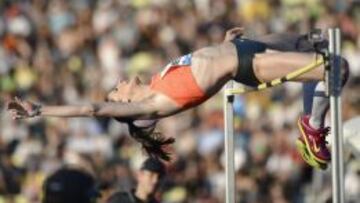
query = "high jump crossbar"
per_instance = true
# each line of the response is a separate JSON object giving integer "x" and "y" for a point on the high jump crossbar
{"x": 333, "y": 79}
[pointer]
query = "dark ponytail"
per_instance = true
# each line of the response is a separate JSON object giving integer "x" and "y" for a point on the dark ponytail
{"x": 154, "y": 143}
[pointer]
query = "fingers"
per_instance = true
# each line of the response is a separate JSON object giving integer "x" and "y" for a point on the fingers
{"x": 15, "y": 115}
{"x": 16, "y": 109}
{"x": 27, "y": 106}
{"x": 234, "y": 33}
{"x": 18, "y": 100}
{"x": 236, "y": 30}
{"x": 15, "y": 112}
{"x": 14, "y": 105}
{"x": 20, "y": 105}
{"x": 24, "y": 104}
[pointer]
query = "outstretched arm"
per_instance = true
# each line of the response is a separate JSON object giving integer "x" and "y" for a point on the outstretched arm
{"x": 139, "y": 110}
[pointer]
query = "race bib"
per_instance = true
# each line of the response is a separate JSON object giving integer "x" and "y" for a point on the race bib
{"x": 181, "y": 61}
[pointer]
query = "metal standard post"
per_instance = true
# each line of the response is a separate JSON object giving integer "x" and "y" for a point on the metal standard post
{"x": 336, "y": 123}
{"x": 229, "y": 145}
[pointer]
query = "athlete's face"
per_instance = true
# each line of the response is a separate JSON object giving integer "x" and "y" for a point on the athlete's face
{"x": 127, "y": 91}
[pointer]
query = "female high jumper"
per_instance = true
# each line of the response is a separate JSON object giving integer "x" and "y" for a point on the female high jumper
{"x": 193, "y": 78}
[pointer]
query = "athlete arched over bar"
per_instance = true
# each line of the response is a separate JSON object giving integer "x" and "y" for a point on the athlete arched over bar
{"x": 193, "y": 78}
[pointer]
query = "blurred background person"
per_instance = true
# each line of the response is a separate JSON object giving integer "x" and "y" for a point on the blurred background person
{"x": 70, "y": 185}
{"x": 148, "y": 179}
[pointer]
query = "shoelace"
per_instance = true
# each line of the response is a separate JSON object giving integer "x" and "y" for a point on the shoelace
{"x": 322, "y": 136}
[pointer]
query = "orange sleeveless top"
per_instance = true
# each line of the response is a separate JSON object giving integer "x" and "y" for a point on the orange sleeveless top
{"x": 179, "y": 84}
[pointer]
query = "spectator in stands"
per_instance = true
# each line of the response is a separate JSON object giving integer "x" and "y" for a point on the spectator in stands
{"x": 148, "y": 179}
{"x": 70, "y": 185}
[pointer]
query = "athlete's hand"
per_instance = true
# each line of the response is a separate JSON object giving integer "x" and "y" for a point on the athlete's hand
{"x": 20, "y": 109}
{"x": 233, "y": 33}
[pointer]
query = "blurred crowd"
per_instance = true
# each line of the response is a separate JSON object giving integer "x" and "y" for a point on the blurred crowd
{"x": 74, "y": 51}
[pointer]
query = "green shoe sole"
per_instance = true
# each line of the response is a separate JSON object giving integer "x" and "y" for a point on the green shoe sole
{"x": 307, "y": 157}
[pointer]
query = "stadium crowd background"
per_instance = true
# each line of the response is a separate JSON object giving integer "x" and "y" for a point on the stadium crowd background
{"x": 59, "y": 52}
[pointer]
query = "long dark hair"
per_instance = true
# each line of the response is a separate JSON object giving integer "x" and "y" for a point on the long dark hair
{"x": 153, "y": 142}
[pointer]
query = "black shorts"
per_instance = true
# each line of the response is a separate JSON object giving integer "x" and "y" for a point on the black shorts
{"x": 246, "y": 50}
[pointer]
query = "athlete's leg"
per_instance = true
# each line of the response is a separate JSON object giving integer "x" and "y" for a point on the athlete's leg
{"x": 321, "y": 102}
{"x": 312, "y": 125}
{"x": 308, "y": 98}
{"x": 311, "y": 143}
{"x": 268, "y": 66}
{"x": 308, "y": 94}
